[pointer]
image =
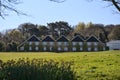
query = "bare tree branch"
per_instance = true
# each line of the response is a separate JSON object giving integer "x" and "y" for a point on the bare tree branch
{"x": 9, "y": 5}
{"x": 59, "y": 1}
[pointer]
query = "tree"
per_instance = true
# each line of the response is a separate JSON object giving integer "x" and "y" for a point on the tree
{"x": 115, "y": 3}
{"x": 115, "y": 33}
{"x": 2, "y": 46}
{"x": 9, "y": 5}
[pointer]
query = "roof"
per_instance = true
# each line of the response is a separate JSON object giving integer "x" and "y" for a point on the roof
{"x": 33, "y": 38}
{"x": 62, "y": 39}
{"x": 92, "y": 39}
{"x": 114, "y": 41}
{"x": 48, "y": 39}
{"x": 77, "y": 39}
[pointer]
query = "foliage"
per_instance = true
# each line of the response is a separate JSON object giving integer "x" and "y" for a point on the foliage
{"x": 2, "y": 46}
{"x": 36, "y": 69}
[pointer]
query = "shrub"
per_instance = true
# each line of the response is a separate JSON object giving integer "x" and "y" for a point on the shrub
{"x": 36, "y": 69}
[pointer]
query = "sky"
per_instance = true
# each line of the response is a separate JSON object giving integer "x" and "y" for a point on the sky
{"x": 42, "y": 12}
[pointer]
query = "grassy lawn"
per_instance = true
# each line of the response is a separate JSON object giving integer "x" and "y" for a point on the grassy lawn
{"x": 88, "y": 65}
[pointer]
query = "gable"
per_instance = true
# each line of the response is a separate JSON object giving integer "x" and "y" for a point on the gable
{"x": 92, "y": 39}
{"x": 77, "y": 39}
{"x": 48, "y": 39}
{"x": 62, "y": 39}
{"x": 33, "y": 38}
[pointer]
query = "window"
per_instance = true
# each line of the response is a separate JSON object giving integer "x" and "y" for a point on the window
{"x": 36, "y": 43}
{"x": 22, "y": 48}
{"x": 81, "y": 49}
{"x": 51, "y": 43}
{"x": 36, "y": 48}
{"x": 103, "y": 48}
{"x": 30, "y": 48}
{"x": 30, "y": 43}
{"x": 80, "y": 43}
{"x": 65, "y": 43}
{"x": 95, "y": 43}
{"x": 50, "y": 48}
{"x": 89, "y": 49}
{"x": 59, "y": 49}
{"x": 88, "y": 43}
{"x": 45, "y": 48}
{"x": 95, "y": 49}
{"x": 73, "y": 43}
{"x": 66, "y": 49}
{"x": 59, "y": 43}
{"x": 44, "y": 43}
{"x": 74, "y": 48}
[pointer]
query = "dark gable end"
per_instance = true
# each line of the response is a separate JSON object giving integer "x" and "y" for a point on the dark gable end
{"x": 77, "y": 39}
{"x": 48, "y": 39}
{"x": 33, "y": 38}
{"x": 92, "y": 39}
{"x": 62, "y": 39}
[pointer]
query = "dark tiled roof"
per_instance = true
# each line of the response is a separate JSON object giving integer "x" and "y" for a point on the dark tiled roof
{"x": 33, "y": 38}
{"x": 77, "y": 39}
{"x": 62, "y": 39}
{"x": 48, "y": 39}
{"x": 92, "y": 39}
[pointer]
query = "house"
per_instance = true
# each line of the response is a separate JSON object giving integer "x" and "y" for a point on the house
{"x": 94, "y": 44}
{"x": 114, "y": 45}
{"x": 77, "y": 43}
{"x": 31, "y": 44}
{"x": 48, "y": 44}
{"x": 62, "y": 44}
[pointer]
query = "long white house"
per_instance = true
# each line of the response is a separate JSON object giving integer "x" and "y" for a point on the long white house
{"x": 62, "y": 44}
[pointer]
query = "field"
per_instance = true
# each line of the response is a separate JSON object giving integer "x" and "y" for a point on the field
{"x": 88, "y": 65}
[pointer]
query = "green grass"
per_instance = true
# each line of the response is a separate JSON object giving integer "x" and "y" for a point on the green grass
{"x": 88, "y": 65}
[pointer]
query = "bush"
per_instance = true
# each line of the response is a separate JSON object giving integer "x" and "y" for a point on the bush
{"x": 36, "y": 69}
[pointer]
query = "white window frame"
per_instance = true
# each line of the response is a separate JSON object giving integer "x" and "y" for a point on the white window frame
{"x": 50, "y": 48}
{"x": 36, "y": 48}
{"x": 44, "y": 43}
{"x": 95, "y": 43}
{"x": 95, "y": 49}
{"x": 89, "y": 43}
{"x": 66, "y": 49}
{"x": 59, "y": 43}
{"x": 51, "y": 43}
{"x": 74, "y": 49}
{"x": 36, "y": 43}
{"x": 65, "y": 43}
{"x": 30, "y": 48}
{"x": 89, "y": 48}
{"x": 80, "y": 43}
{"x": 59, "y": 48}
{"x": 44, "y": 48}
{"x": 30, "y": 43}
{"x": 81, "y": 49}
{"x": 73, "y": 43}
{"x": 22, "y": 48}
